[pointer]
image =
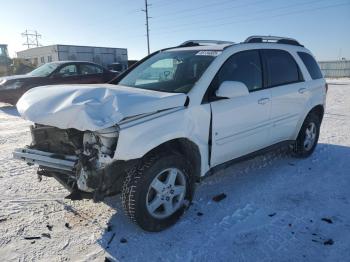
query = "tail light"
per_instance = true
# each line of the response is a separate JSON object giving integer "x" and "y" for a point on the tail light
{"x": 326, "y": 86}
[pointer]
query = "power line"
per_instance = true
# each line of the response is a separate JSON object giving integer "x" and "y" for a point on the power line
{"x": 31, "y": 38}
{"x": 206, "y": 13}
{"x": 163, "y": 3}
{"x": 198, "y": 7}
{"x": 147, "y": 25}
{"x": 205, "y": 16}
{"x": 258, "y": 18}
{"x": 230, "y": 17}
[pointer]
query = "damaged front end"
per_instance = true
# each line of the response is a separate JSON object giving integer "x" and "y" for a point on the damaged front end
{"x": 80, "y": 160}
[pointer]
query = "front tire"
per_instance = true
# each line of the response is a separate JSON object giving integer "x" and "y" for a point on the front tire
{"x": 308, "y": 136}
{"x": 156, "y": 192}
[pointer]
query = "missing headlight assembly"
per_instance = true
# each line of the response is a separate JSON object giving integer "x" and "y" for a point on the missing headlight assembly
{"x": 80, "y": 160}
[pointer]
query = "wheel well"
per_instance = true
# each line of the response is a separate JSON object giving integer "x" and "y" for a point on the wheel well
{"x": 318, "y": 110}
{"x": 186, "y": 148}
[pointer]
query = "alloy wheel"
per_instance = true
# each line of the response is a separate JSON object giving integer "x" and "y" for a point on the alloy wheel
{"x": 310, "y": 136}
{"x": 166, "y": 193}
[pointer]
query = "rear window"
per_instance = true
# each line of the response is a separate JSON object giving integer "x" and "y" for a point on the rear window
{"x": 311, "y": 65}
{"x": 281, "y": 68}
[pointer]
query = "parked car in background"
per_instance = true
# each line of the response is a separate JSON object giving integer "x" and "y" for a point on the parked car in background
{"x": 117, "y": 67}
{"x": 62, "y": 72}
{"x": 131, "y": 62}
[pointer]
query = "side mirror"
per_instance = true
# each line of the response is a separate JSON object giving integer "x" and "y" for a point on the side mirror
{"x": 231, "y": 89}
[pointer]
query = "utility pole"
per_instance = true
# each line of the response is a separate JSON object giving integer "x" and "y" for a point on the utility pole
{"x": 31, "y": 38}
{"x": 26, "y": 34}
{"x": 147, "y": 27}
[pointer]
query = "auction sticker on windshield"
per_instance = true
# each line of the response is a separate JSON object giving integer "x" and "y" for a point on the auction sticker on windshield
{"x": 209, "y": 53}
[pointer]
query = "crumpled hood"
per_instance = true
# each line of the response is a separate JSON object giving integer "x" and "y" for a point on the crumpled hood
{"x": 91, "y": 107}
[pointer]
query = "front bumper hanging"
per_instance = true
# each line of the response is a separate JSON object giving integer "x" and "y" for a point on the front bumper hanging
{"x": 45, "y": 159}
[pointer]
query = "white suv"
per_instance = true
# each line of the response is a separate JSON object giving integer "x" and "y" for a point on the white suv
{"x": 174, "y": 117}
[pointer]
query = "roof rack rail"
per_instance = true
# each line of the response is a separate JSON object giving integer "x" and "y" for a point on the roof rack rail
{"x": 273, "y": 39}
{"x": 204, "y": 42}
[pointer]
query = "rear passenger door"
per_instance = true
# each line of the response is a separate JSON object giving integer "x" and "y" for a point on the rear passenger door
{"x": 240, "y": 125}
{"x": 288, "y": 92}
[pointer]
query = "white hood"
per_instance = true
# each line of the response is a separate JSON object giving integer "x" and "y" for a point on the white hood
{"x": 91, "y": 107}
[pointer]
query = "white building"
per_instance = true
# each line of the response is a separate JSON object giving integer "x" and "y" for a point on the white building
{"x": 100, "y": 55}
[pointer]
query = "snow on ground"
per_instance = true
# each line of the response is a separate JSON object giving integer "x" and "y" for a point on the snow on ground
{"x": 338, "y": 81}
{"x": 273, "y": 210}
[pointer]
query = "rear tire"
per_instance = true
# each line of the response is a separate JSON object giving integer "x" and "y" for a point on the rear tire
{"x": 308, "y": 136}
{"x": 156, "y": 192}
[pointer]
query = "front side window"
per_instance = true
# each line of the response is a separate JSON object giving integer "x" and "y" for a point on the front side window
{"x": 281, "y": 68}
{"x": 69, "y": 70}
{"x": 87, "y": 69}
{"x": 170, "y": 71}
{"x": 243, "y": 67}
{"x": 311, "y": 65}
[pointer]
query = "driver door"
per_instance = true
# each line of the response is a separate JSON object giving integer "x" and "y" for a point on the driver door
{"x": 240, "y": 125}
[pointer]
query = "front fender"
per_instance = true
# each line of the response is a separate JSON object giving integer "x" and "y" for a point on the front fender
{"x": 138, "y": 138}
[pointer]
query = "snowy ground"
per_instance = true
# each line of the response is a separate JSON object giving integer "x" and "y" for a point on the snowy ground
{"x": 273, "y": 210}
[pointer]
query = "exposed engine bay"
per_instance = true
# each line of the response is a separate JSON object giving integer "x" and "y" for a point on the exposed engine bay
{"x": 94, "y": 170}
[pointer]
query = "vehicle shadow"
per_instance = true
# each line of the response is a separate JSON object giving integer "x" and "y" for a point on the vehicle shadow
{"x": 9, "y": 109}
{"x": 200, "y": 234}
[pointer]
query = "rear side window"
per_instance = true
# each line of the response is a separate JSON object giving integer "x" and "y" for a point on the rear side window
{"x": 244, "y": 67}
{"x": 311, "y": 65}
{"x": 281, "y": 68}
{"x": 88, "y": 69}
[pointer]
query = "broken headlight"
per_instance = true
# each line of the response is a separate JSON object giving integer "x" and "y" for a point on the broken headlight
{"x": 99, "y": 147}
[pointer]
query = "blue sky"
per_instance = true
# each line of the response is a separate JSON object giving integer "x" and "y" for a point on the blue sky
{"x": 323, "y": 26}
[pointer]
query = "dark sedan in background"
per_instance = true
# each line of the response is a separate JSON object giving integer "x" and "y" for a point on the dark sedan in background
{"x": 63, "y": 72}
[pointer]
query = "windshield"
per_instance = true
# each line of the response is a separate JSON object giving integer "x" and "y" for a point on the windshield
{"x": 170, "y": 71}
{"x": 44, "y": 70}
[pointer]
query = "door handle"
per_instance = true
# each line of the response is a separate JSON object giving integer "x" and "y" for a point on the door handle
{"x": 302, "y": 90}
{"x": 263, "y": 101}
